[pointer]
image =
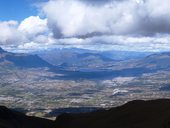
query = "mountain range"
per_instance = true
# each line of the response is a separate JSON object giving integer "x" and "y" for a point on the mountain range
{"x": 84, "y": 57}
{"x": 86, "y": 64}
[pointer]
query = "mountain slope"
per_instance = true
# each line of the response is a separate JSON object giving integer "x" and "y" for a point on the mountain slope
{"x": 74, "y": 57}
{"x": 13, "y": 119}
{"x": 135, "y": 114}
{"x": 21, "y": 60}
{"x": 125, "y": 55}
{"x": 1, "y": 50}
{"x": 157, "y": 61}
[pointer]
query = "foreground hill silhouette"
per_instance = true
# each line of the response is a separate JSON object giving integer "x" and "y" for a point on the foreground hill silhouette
{"x": 12, "y": 119}
{"x": 135, "y": 114}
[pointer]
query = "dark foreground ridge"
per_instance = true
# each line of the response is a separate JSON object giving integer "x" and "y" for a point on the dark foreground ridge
{"x": 12, "y": 119}
{"x": 134, "y": 114}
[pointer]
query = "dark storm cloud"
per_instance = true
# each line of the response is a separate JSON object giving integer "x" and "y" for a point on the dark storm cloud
{"x": 151, "y": 26}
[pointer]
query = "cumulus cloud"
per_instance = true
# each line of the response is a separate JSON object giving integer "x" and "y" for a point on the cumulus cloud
{"x": 76, "y": 18}
{"x": 9, "y": 32}
{"x": 33, "y": 26}
{"x": 30, "y": 33}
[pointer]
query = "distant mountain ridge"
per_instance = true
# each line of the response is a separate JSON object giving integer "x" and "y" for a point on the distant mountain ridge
{"x": 83, "y": 64}
{"x": 112, "y": 54}
{"x": 87, "y": 59}
{"x": 158, "y": 61}
{"x": 21, "y": 60}
{"x": 1, "y": 50}
{"x": 70, "y": 57}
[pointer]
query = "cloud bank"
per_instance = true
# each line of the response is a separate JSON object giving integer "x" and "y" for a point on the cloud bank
{"x": 96, "y": 24}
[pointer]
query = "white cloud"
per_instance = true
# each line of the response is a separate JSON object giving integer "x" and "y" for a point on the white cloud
{"x": 117, "y": 42}
{"x": 77, "y": 18}
{"x": 33, "y": 26}
{"x": 30, "y": 33}
{"x": 9, "y": 32}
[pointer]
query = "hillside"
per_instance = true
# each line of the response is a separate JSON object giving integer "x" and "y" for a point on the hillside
{"x": 75, "y": 58}
{"x": 21, "y": 60}
{"x": 159, "y": 61}
{"x": 134, "y": 114}
{"x": 12, "y": 119}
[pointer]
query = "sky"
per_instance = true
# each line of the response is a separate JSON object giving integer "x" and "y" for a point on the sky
{"x": 130, "y": 25}
{"x": 15, "y": 10}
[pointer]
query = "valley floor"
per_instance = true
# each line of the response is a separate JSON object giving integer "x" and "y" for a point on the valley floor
{"x": 39, "y": 92}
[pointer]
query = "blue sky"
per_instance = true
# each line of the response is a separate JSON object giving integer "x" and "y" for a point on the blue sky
{"x": 134, "y": 25}
{"x": 16, "y": 9}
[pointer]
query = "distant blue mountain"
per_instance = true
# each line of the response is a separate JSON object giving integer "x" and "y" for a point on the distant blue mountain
{"x": 80, "y": 63}
{"x": 125, "y": 55}
{"x": 84, "y": 57}
{"x": 1, "y": 50}
{"x": 98, "y": 65}
{"x": 73, "y": 57}
{"x": 21, "y": 60}
{"x": 157, "y": 61}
